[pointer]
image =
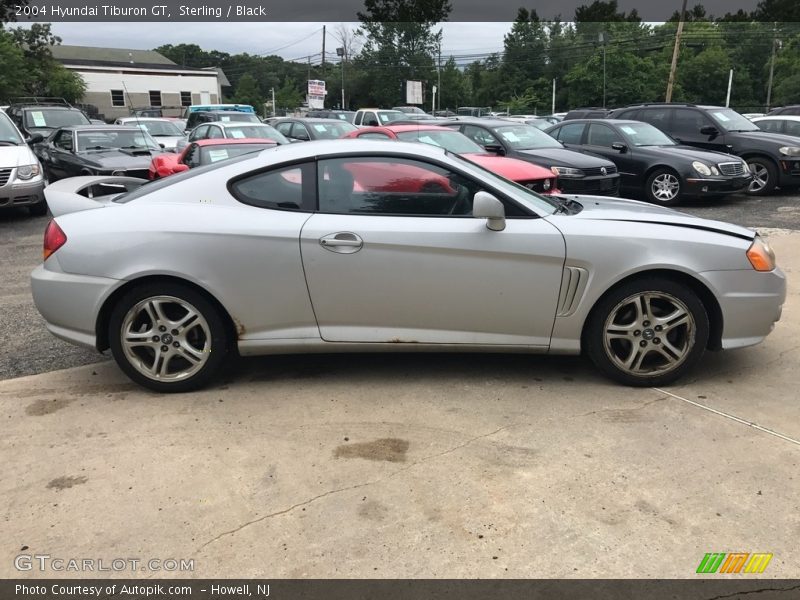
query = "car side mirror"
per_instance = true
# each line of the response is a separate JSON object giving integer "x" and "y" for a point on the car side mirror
{"x": 162, "y": 146}
{"x": 302, "y": 136}
{"x": 35, "y": 138}
{"x": 619, "y": 147}
{"x": 709, "y": 130}
{"x": 180, "y": 168}
{"x": 486, "y": 206}
{"x": 495, "y": 149}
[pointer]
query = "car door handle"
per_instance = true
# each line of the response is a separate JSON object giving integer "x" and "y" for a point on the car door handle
{"x": 343, "y": 242}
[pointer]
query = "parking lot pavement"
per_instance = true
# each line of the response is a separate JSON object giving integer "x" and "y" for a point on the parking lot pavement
{"x": 411, "y": 466}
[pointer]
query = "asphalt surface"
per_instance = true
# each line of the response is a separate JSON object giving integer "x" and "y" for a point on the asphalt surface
{"x": 27, "y": 348}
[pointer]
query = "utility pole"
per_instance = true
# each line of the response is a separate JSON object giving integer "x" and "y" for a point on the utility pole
{"x": 323, "y": 51}
{"x": 274, "y": 108}
{"x": 439, "y": 77}
{"x": 675, "y": 52}
{"x": 772, "y": 64}
{"x": 343, "y": 58}
{"x": 553, "y": 106}
{"x": 602, "y": 40}
{"x": 730, "y": 84}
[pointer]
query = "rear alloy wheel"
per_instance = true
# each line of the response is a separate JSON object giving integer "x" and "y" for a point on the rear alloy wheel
{"x": 663, "y": 187}
{"x": 168, "y": 337}
{"x": 647, "y": 332}
{"x": 765, "y": 176}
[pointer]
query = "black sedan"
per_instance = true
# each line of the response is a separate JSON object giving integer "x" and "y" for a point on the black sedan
{"x": 578, "y": 173}
{"x": 97, "y": 150}
{"x": 650, "y": 161}
{"x": 304, "y": 130}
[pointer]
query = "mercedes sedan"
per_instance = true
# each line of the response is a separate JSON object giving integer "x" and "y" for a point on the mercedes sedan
{"x": 357, "y": 245}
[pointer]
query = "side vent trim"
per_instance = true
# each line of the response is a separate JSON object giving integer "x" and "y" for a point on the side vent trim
{"x": 573, "y": 282}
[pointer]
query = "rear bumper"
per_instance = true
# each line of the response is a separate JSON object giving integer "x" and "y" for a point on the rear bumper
{"x": 21, "y": 194}
{"x": 70, "y": 303}
{"x": 696, "y": 186}
{"x": 751, "y": 304}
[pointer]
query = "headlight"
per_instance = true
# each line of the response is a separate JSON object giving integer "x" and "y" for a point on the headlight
{"x": 790, "y": 151}
{"x": 745, "y": 167}
{"x": 566, "y": 172}
{"x": 761, "y": 255}
{"x": 26, "y": 172}
{"x": 701, "y": 168}
{"x": 714, "y": 170}
{"x": 546, "y": 185}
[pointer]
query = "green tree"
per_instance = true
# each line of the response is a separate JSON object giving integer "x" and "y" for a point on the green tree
{"x": 12, "y": 73}
{"x": 400, "y": 44}
{"x": 248, "y": 92}
{"x": 288, "y": 96}
{"x": 524, "y": 56}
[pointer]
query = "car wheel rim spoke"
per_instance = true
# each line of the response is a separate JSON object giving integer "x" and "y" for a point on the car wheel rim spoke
{"x": 760, "y": 176}
{"x": 165, "y": 338}
{"x": 649, "y": 333}
{"x": 665, "y": 187}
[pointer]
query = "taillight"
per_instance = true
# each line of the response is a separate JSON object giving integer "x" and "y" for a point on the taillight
{"x": 54, "y": 238}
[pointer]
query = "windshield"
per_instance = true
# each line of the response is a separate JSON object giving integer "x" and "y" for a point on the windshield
{"x": 644, "y": 134}
{"x": 8, "y": 133}
{"x": 158, "y": 128}
{"x": 115, "y": 139}
{"x": 525, "y": 137}
{"x": 733, "y": 121}
{"x": 332, "y": 130}
{"x": 257, "y": 132}
{"x": 449, "y": 140}
{"x": 387, "y": 116}
{"x": 54, "y": 118}
{"x": 213, "y": 154}
{"x": 529, "y": 198}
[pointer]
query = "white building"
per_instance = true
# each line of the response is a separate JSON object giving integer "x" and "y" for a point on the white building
{"x": 118, "y": 80}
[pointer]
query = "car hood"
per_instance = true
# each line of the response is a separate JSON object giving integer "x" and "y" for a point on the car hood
{"x": 778, "y": 138}
{"x": 169, "y": 141}
{"x": 602, "y": 208}
{"x": 691, "y": 153}
{"x": 14, "y": 156}
{"x": 510, "y": 168}
{"x": 563, "y": 157}
{"x": 118, "y": 159}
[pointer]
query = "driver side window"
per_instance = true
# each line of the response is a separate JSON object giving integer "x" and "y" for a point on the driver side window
{"x": 481, "y": 136}
{"x": 392, "y": 186}
{"x": 198, "y": 133}
{"x": 63, "y": 141}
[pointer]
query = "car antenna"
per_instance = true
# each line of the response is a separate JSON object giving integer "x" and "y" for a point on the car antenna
{"x": 135, "y": 116}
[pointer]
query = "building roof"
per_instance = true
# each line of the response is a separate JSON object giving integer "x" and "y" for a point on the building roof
{"x": 131, "y": 56}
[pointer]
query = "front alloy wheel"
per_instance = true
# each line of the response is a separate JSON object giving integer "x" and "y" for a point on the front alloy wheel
{"x": 663, "y": 187}
{"x": 648, "y": 332}
{"x": 168, "y": 338}
{"x": 764, "y": 176}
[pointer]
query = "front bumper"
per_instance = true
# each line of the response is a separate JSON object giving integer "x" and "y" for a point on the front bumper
{"x": 70, "y": 303}
{"x": 21, "y": 193}
{"x": 590, "y": 186}
{"x": 710, "y": 186}
{"x": 751, "y": 303}
{"x": 789, "y": 174}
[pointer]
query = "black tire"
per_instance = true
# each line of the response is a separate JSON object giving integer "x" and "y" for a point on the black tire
{"x": 669, "y": 176}
{"x": 631, "y": 335}
{"x": 758, "y": 166}
{"x": 39, "y": 209}
{"x": 210, "y": 329}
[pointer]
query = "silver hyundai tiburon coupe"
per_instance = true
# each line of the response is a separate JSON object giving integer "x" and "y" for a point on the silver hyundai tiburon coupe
{"x": 357, "y": 245}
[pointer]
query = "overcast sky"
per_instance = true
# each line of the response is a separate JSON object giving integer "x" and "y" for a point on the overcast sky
{"x": 289, "y": 40}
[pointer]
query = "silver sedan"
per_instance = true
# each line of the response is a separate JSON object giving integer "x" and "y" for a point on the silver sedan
{"x": 358, "y": 245}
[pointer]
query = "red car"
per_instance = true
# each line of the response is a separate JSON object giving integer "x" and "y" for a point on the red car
{"x": 531, "y": 176}
{"x": 204, "y": 152}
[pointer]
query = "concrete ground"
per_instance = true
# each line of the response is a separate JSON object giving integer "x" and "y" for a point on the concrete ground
{"x": 412, "y": 466}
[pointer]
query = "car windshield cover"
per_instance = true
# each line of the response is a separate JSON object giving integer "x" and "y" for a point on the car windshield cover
{"x": 529, "y": 198}
{"x": 732, "y": 120}
{"x": 158, "y": 128}
{"x": 8, "y": 133}
{"x": 115, "y": 139}
{"x": 644, "y": 134}
{"x": 525, "y": 137}
{"x": 449, "y": 140}
{"x": 256, "y": 132}
{"x": 213, "y": 154}
{"x": 54, "y": 118}
{"x": 387, "y": 116}
{"x": 332, "y": 130}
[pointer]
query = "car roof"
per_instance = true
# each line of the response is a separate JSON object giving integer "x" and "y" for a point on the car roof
{"x": 230, "y": 141}
{"x": 311, "y": 120}
{"x": 346, "y": 146}
{"x": 236, "y": 123}
{"x": 402, "y": 128}
{"x": 617, "y": 122}
{"x": 777, "y": 118}
{"x": 136, "y": 119}
{"x": 96, "y": 127}
{"x": 485, "y": 122}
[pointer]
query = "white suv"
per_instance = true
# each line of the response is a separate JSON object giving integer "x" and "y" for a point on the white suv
{"x": 21, "y": 181}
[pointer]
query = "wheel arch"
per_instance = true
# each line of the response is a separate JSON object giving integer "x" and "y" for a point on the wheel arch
{"x": 104, "y": 314}
{"x": 706, "y": 296}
